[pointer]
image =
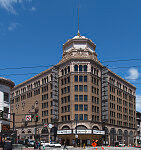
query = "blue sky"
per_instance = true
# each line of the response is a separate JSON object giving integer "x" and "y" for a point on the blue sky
{"x": 32, "y": 33}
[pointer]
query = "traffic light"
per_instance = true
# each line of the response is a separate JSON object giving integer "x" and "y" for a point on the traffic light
{"x": 37, "y": 118}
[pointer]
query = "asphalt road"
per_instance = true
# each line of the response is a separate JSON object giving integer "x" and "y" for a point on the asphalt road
{"x": 87, "y": 148}
{"x": 98, "y": 148}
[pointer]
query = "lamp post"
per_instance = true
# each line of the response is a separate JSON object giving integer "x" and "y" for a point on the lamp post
{"x": 76, "y": 136}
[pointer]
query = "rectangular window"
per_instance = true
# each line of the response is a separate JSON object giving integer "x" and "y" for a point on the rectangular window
{"x": 80, "y": 107}
{"x": 80, "y": 88}
{"x": 80, "y": 78}
{"x": 85, "y": 88}
{"x": 85, "y": 78}
{"x": 76, "y": 98}
{"x": 6, "y": 97}
{"x": 76, "y": 116}
{"x": 85, "y": 117}
{"x": 80, "y": 116}
{"x": 85, "y": 98}
{"x": 76, "y": 78}
{"x": 68, "y": 89}
{"x": 68, "y": 79}
{"x": 76, "y": 107}
{"x": 68, "y": 108}
{"x": 76, "y": 88}
{"x": 68, "y": 98}
{"x": 85, "y": 68}
{"x": 85, "y": 107}
{"x": 81, "y": 98}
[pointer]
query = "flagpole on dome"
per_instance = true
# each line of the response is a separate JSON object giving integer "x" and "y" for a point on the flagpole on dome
{"x": 78, "y": 33}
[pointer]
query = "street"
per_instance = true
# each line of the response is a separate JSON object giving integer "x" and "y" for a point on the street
{"x": 98, "y": 148}
{"x": 88, "y": 148}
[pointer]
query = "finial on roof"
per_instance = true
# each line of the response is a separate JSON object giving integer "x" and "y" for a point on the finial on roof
{"x": 78, "y": 33}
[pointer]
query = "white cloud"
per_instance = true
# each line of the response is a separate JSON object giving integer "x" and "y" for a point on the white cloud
{"x": 133, "y": 74}
{"x": 138, "y": 103}
{"x": 9, "y": 5}
{"x": 33, "y": 8}
{"x": 13, "y": 26}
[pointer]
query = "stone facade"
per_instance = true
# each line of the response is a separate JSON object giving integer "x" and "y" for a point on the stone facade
{"x": 80, "y": 92}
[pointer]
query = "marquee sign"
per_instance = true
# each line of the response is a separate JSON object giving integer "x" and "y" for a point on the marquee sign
{"x": 64, "y": 132}
{"x": 82, "y": 131}
{"x": 98, "y": 132}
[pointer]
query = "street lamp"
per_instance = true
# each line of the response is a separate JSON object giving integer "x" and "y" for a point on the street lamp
{"x": 76, "y": 136}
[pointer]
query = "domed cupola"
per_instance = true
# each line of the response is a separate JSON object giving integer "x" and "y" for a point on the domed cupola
{"x": 79, "y": 46}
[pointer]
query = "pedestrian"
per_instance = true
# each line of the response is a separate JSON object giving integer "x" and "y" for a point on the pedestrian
{"x": 39, "y": 145}
{"x": 43, "y": 146}
{"x": 65, "y": 146}
{"x": 8, "y": 144}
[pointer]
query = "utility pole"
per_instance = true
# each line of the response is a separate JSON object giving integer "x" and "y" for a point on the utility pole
{"x": 36, "y": 120}
{"x": 14, "y": 131}
{"x": 76, "y": 136}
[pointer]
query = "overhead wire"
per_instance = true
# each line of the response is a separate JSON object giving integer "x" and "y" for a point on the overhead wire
{"x": 42, "y": 66}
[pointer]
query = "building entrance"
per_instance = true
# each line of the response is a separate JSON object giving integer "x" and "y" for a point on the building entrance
{"x": 84, "y": 142}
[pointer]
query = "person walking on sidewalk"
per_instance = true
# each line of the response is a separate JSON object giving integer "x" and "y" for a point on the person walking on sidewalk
{"x": 65, "y": 146}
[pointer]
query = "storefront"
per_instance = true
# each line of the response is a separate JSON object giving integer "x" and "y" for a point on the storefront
{"x": 80, "y": 137}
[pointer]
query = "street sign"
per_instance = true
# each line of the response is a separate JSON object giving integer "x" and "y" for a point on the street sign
{"x": 50, "y": 126}
{"x": 5, "y": 115}
{"x": 28, "y": 118}
{"x": 45, "y": 125}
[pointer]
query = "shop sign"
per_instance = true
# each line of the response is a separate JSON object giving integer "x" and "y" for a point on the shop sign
{"x": 98, "y": 132}
{"x": 5, "y": 127}
{"x": 64, "y": 132}
{"x": 82, "y": 131}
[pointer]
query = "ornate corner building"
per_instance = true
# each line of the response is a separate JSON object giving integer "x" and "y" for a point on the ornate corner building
{"x": 81, "y": 98}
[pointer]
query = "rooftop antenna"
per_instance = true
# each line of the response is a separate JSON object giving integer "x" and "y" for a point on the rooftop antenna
{"x": 78, "y": 33}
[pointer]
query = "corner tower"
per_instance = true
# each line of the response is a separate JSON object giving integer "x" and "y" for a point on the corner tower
{"x": 79, "y": 46}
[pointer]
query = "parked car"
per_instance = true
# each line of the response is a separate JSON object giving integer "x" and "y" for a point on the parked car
{"x": 121, "y": 145}
{"x": 31, "y": 143}
{"x": 42, "y": 143}
{"x": 57, "y": 145}
{"x": 21, "y": 142}
{"x": 46, "y": 144}
{"x": 52, "y": 144}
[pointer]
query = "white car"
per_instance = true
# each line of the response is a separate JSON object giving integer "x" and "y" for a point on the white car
{"x": 121, "y": 145}
{"x": 57, "y": 145}
{"x": 46, "y": 144}
{"x": 52, "y": 144}
{"x": 42, "y": 143}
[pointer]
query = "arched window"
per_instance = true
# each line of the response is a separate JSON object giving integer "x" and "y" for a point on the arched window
{"x": 81, "y": 127}
{"x": 65, "y": 127}
{"x": 29, "y": 131}
{"x": 68, "y": 69}
{"x": 76, "y": 68}
{"x": 65, "y": 70}
{"x": 80, "y": 68}
{"x": 95, "y": 128}
{"x": 119, "y": 135}
{"x": 85, "y": 68}
{"x": 92, "y": 69}
{"x": 23, "y": 131}
{"x": 51, "y": 77}
{"x": 62, "y": 72}
{"x": 112, "y": 136}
